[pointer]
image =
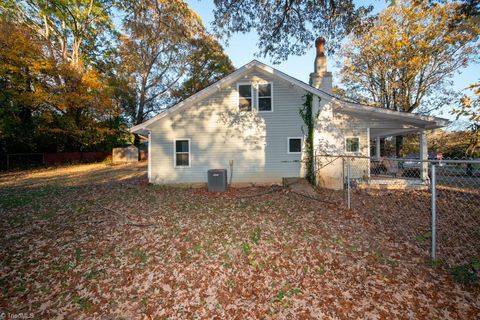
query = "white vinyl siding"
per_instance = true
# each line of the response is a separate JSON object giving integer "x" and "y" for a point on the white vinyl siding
{"x": 254, "y": 141}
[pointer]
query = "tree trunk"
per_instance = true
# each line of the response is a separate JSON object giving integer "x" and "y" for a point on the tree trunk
{"x": 382, "y": 146}
{"x": 136, "y": 140}
{"x": 398, "y": 146}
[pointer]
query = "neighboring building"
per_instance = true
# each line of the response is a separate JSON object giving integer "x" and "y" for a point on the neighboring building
{"x": 250, "y": 121}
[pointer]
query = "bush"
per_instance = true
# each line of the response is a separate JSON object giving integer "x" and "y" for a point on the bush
{"x": 467, "y": 273}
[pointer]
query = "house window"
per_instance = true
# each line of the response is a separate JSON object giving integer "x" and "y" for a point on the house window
{"x": 352, "y": 144}
{"x": 294, "y": 145}
{"x": 182, "y": 153}
{"x": 245, "y": 97}
{"x": 265, "y": 97}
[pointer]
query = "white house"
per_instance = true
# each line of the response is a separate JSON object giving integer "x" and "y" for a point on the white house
{"x": 249, "y": 123}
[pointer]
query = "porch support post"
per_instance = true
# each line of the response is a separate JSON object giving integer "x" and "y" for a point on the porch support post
{"x": 377, "y": 147}
{"x": 149, "y": 156}
{"x": 423, "y": 156}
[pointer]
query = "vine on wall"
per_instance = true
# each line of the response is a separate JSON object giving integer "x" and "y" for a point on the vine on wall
{"x": 306, "y": 112}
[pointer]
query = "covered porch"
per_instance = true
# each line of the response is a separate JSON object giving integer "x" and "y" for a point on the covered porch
{"x": 386, "y": 171}
{"x": 382, "y": 168}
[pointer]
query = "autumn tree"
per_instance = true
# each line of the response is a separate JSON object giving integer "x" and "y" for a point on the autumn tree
{"x": 288, "y": 27}
{"x": 21, "y": 90}
{"x": 408, "y": 55}
{"x": 206, "y": 64}
{"x": 166, "y": 55}
{"x": 153, "y": 51}
{"x": 74, "y": 31}
{"x": 77, "y": 108}
{"x": 469, "y": 107}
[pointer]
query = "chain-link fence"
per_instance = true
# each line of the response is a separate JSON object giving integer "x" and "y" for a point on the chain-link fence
{"x": 434, "y": 203}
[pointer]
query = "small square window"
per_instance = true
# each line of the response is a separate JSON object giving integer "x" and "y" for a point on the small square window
{"x": 294, "y": 145}
{"x": 265, "y": 97}
{"x": 352, "y": 144}
{"x": 182, "y": 153}
{"x": 245, "y": 97}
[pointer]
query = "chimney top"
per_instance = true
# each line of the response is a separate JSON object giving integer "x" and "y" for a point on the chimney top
{"x": 320, "y": 45}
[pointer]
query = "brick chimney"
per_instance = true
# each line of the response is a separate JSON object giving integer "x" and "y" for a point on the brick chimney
{"x": 320, "y": 78}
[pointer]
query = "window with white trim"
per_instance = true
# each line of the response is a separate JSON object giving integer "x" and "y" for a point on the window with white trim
{"x": 294, "y": 145}
{"x": 245, "y": 94}
{"x": 352, "y": 144}
{"x": 182, "y": 153}
{"x": 264, "y": 96}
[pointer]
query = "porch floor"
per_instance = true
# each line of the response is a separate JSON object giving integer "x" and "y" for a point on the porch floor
{"x": 389, "y": 182}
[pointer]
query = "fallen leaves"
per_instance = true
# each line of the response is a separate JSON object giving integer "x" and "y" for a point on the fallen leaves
{"x": 250, "y": 253}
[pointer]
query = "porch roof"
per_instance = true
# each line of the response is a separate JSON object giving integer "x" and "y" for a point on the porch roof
{"x": 387, "y": 123}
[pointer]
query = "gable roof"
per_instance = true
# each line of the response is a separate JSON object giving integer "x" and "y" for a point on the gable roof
{"x": 428, "y": 121}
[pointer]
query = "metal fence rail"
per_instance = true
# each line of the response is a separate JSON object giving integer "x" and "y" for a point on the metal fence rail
{"x": 434, "y": 204}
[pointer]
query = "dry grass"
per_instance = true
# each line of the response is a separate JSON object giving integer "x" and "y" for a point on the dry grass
{"x": 99, "y": 241}
{"x": 74, "y": 175}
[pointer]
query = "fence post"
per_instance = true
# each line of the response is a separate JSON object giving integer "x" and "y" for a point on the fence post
{"x": 434, "y": 212}
{"x": 348, "y": 184}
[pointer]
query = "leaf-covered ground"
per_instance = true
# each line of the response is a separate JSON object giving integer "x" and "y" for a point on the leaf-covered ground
{"x": 407, "y": 214}
{"x": 94, "y": 241}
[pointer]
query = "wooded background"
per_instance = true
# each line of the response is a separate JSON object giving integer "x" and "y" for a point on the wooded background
{"x": 74, "y": 75}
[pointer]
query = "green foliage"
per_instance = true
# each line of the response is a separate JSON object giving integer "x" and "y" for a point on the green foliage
{"x": 153, "y": 51}
{"x": 280, "y": 295}
{"x": 83, "y": 303}
{"x": 92, "y": 274}
{"x": 464, "y": 274}
{"x": 475, "y": 263}
{"x": 207, "y": 63}
{"x": 467, "y": 273}
{"x": 78, "y": 255}
{"x": 247, "y": 250}
{"x": 256, "y": 235}
{"x": 141, "y": 255}
{"x": 320, "y": 269}
{"x": 424, "y": 237}
{"x": 306, "y": 112}
{"x": 434, "y": 263}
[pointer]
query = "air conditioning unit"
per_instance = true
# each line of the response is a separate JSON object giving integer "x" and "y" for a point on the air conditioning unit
{"x": 217, "y": 180}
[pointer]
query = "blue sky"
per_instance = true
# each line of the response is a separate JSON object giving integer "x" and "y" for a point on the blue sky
{"x": 241, "y": 49}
